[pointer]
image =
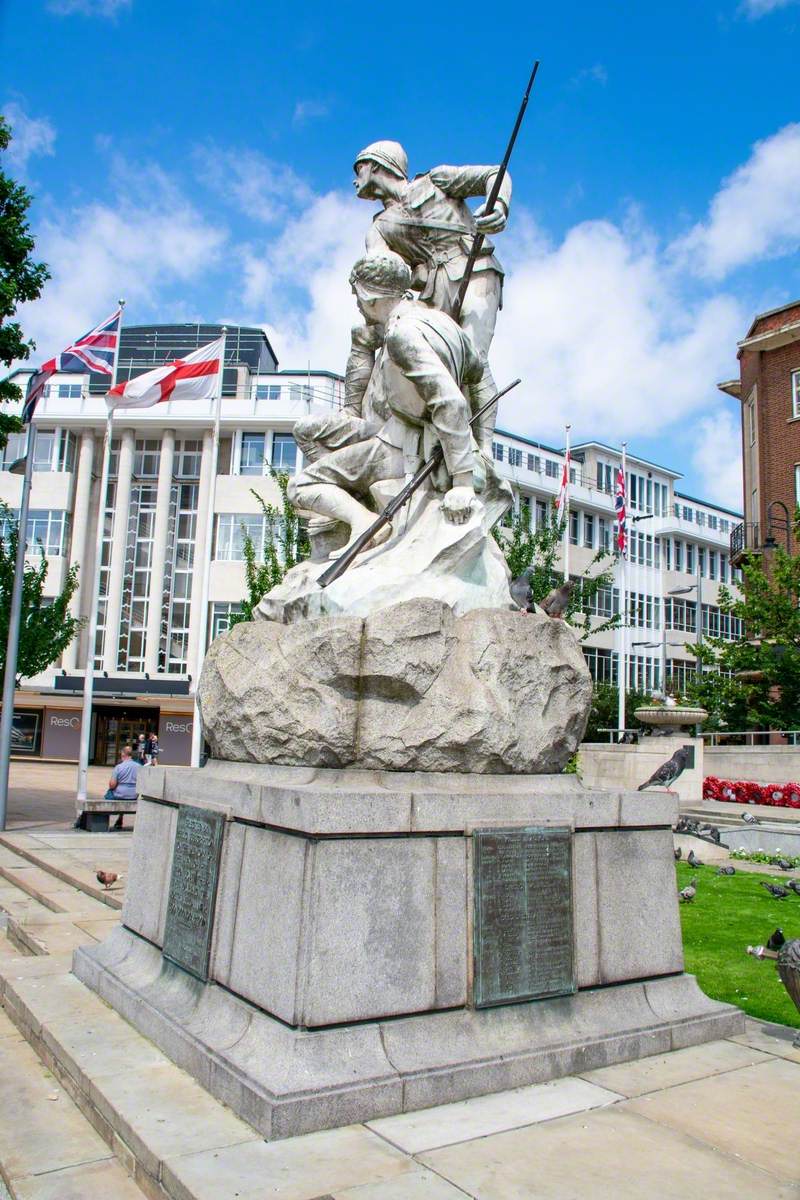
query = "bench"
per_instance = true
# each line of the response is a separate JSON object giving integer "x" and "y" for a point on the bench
{"x": 94, "y": 815}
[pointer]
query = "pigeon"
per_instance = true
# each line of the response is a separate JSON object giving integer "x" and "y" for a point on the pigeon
{"x": 783, "y": 864}
{"x": 669, "y": 771}
{"x": 776, "y": 940}
{"x": 555, "y": 603}
{"x": 693, "y": 861}
{"x": 521, "y": 591}
{"x": 714, "y": 834}
{"x": 107, "y": 878}
{"x": 687, "y": 894}
{"x": 794, "y": 884}
{"x": 749, "y": 819}
{"x": 678, "y": 852}
{"x": 775, "y": 890}
{"x": 726, "y": 871}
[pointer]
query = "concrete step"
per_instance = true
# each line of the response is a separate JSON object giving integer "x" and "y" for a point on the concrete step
{"x": 48, "y": 1150}
{"x": 35, "y": 927}
{"x": 67, "y": 861}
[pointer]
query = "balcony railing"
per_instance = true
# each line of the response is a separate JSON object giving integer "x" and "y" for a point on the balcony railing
{"x": 745, "y": 538}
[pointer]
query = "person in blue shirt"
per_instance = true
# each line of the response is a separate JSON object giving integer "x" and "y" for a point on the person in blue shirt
{"x": 122, "y": 785}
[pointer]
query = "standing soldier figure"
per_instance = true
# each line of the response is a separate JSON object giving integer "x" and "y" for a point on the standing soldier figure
{"x": 427, "y": 222}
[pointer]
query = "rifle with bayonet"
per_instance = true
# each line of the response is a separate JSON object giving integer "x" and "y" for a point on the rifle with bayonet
{"x": 479, "y": 238}
{"x": 340, "y": 565}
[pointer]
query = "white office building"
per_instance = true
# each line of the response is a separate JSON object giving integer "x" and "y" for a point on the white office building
{"x": 155, "y": 517}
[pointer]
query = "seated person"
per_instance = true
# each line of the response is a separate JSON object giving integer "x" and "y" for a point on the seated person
{"x": 122, "y": 784}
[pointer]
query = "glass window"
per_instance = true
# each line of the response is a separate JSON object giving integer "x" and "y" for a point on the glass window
{"x": 712, "y": 564}
{"x": 267, "y": 391}
{"x": 13, "y": 449}
{"x": 497, "y": 451}
{"x": 146, "y": 457}
{"x": 534, "y": 463}
{"x": 514, "y": 457}
{"x": 220, "y": 617}
{"x": 678, "y": 555}
{"x": 588, "y": 531}
{"x": 712, "y": 521}
{"x": 252, "y": 457}
{"x": 724, "y": 525}
{"x": 573, "y": 527}
{"x": 188, "y": 457}
{"x": 44, "y": 449}
{"x": 689, "y": 558}
{"x": 602, "y": 664}
{"x": 47, "y": 529}
{"x": 700, "y": 517}
{"x": 603, "y": 534}
{"x": 232, "y": 529}
{"x": 284, "y": 452}
{"x": 795, "y": 398}
{"x": 70, "y": 391}
{"x": 551, "y": 469}
{"x": 687, "y": 513}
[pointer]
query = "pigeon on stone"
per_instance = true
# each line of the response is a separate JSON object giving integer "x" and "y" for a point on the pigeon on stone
{"x": 776, "y": 940}
{"x": 555, "y": 603}
{"x": 726, "y": 871}
{"x": 669, "y": 771}
{"x": 107, "y": 878}
{"x": 687, "y": 894}
{"x": 693, "y": 861}
{"x": 749, "y": 819}
{"x": 775, "y": 890}
{"x": 678, "y": 852}
{"x": 521, "y": 591}
{"x": 713, "y": 833}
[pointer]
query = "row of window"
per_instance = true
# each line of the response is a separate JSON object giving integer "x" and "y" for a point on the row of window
{"x": 644, "y": 673}
{"x": 686, "y": 513}
{"x": 47, "y": 531}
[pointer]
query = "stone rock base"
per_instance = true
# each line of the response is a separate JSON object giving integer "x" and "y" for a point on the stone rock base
{"x": 340, "y": 982}
{"x": 410, "y": 688}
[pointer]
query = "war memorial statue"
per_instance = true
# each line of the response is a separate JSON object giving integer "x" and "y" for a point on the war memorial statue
{"x": 381, "y": 893}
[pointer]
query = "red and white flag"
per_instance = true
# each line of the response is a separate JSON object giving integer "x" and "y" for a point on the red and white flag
{"x": 563, "y": 491}
{"x": 191, "y": 378}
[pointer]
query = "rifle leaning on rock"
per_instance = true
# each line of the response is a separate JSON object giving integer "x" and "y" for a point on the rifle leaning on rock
{"x": 340, "y": 565}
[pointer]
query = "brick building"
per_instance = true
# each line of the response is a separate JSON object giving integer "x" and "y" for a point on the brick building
{"x": 769, "y": 391}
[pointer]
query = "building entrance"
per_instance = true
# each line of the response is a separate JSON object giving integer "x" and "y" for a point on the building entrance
{"x": 118, "y": 727}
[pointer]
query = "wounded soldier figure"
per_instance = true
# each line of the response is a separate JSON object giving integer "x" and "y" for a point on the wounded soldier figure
{"x": 422, "y": 389}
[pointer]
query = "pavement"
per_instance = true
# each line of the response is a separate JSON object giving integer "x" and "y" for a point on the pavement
{"x": 90, "y": 1107}
{"x": 43, "y": 793}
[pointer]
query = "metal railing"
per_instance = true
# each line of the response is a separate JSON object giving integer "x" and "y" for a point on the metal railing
{"x": 754, "y": 737}
{"x": 744, "y": 536}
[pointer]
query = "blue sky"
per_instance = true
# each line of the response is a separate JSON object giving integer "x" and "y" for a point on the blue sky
{"x": 196, "y": 158}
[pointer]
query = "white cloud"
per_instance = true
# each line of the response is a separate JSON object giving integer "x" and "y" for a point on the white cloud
{"x": 717, "y": 457}
{"x": 308, "y": 110}
{"x": 135, "y": 247}
{"x": 88, "y": 8}
{"x": 29, "y": 136}
{"x": 753, "y": 9}
{"x": 603, "y": 337}
{"x": 260, "y": 188}
{"x": 754, "y": 215}
{"x": 595, "y": 74}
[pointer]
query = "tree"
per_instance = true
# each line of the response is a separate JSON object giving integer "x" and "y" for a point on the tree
{"x": 753, "y": 682}
{"x": 604, "y": 713}
{"x": 46, "y": 627}
{"x": 20, "y": 279}
{"x": 285, "y": 545}
{"x": 539, "y": 549}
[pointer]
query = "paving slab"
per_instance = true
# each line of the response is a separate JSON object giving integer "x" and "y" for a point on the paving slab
{"x": 300, "y": 1168}
{"x": 761, "y": 1126}
{"x": 92, "y": 1181}
{"x": 53, "y": 1134}
{"x": 417, "y": 1184}
{"x": 772, "y": 1039}
{"x": 681, "y": 1066}
{"x": 484, "y": 1115}
{"x": 606, "y": 1154}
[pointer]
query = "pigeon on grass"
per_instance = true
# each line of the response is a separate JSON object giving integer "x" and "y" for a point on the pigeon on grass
{"x": 776, "y": 940}
{"x": 775, "y": 890}
{"x": 668, "y": 772}
{"x": 726, "y": 871}
{"x": 794, "y": 884}
{"x": 678, "y": 852}
{"x": 686, "y": 895}
{"x": 693, "y": 860}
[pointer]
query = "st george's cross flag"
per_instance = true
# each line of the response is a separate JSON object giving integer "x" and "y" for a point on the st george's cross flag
{"x": 94, "y": 352}
{"x": 622, "y": 514}
{"x": 561, "y": 498}
{"x": 191, "y": 378}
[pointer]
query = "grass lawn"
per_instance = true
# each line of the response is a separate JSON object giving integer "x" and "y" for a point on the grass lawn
{"x": 730, "y": 913}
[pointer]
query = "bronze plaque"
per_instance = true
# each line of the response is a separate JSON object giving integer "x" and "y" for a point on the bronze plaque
{"x": 193, "y": 888}
{"x": 523, "y": 938}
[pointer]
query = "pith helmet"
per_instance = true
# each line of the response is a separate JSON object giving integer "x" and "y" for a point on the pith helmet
{"x": 390, "y": 155}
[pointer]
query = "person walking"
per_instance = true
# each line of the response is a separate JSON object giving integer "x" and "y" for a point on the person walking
{"x": 152, "y": 749}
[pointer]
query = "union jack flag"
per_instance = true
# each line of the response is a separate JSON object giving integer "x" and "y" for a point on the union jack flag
{"x": 561, "y": 498}
{"x": 622, "y": 514}
{"x": 93, "y": 352}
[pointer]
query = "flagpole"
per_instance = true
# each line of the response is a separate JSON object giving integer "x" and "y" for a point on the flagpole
{"x": 202, "y": 625}
{"x": 14, "y": 624}
{"x": 91, "y": 637}
{"x": 566, "y": 507}
{"x": 622, "y": 674}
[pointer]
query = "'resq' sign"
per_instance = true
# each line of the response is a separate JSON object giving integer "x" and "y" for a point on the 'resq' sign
{"x": 175, "y": 739}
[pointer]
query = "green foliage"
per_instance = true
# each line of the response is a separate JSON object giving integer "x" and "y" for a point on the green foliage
{"x": 605, "y": 708}
{"x": 537, "y": 552}
{"x": 46, "y": 628}
{"x": 764, "y": 690}
{"x": 20, "y": 279}
{"x": 761, "y": 856}
{"x": 285, "y": 545}
{"x": 730, "y": 913}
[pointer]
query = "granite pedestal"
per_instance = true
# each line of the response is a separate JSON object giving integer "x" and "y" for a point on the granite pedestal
{"x": 338, "y": 983}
